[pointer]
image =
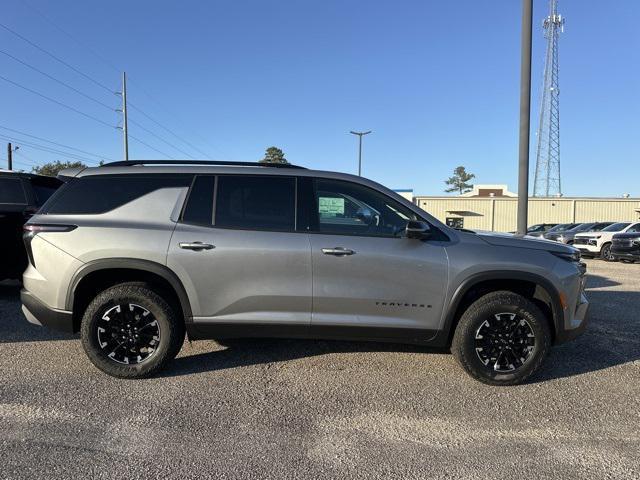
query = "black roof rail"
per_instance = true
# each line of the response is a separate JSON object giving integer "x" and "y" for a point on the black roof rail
{"x": 128, "y": 163}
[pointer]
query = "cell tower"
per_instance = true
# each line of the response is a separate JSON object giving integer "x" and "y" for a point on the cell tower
{"x": 547, "y": 181}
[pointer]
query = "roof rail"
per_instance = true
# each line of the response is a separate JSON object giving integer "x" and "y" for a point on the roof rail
{"x": 128, "y": 163}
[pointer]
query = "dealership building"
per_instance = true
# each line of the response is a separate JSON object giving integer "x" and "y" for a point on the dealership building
{"x": 494, "y": 207}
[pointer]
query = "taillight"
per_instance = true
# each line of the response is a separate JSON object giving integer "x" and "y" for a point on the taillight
{"x": 30, "y": 230}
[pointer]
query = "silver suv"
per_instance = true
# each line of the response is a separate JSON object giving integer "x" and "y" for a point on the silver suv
{"x": 133, "y": 255}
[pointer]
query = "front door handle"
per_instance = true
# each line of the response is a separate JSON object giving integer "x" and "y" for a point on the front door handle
{"x": 197, "y": 246}
{"x": 338, "y": 251}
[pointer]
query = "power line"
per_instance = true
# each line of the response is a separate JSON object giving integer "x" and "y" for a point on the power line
{"x": 170, "y": 131}
{"x": 102, "y": 157}
{"x": 108, "y": 63}
{"x": 13, "y": 32}
{"x": 81, "y": 93}
{"x": 45, "y": 148}
{"x": 159, "y": 138}
{"x": 56, "y": 102}
{"x": 58, "y": 81}
{"x": 72, "y": 37}
{"x": 152, "y": 148}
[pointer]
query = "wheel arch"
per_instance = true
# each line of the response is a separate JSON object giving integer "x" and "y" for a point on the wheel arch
{"x": 97, "y": 275}
{"x": 530, "y": 285}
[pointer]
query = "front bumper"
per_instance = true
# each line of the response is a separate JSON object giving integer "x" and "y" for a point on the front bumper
{"x": 578, "y": 322}
{"x": 38, "y": 313}
{"x": 634, "y": 256}
{"x": 588, "y": 250}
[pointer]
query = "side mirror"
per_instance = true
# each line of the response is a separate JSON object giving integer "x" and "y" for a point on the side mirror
{"x": 417, "y": 230}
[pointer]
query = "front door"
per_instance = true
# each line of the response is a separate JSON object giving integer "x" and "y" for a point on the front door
{"x": 366, "y": 273}
{"x": 238, "y": 255}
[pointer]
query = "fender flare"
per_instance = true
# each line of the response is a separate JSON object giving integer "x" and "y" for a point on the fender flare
{"x": 473, "y": 280}
{"x": 131, "y": 264}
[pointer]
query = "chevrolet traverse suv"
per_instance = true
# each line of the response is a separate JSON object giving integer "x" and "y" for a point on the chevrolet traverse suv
{"x": 133, "y": 255}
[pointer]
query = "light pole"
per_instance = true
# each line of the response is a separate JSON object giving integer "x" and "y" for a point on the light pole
{"x": 360, "y": 135}
{"x": 525, "y": 116}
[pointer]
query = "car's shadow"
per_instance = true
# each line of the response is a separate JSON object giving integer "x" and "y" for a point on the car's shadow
{"x": 612, "y": 338}
{"x": 13, "y": 326}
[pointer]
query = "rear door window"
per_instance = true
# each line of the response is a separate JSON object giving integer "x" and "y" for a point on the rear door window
{"x": 12, "y": 191}
{"x": 199, "y": 207}
{"x": 257, "y": 202}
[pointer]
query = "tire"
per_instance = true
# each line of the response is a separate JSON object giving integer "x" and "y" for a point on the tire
{"x": 160, "y": 330}
{"x": 496, "y": 310}
{"x": 605, "y": 252}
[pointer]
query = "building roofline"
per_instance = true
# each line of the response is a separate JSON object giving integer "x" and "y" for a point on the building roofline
{"x": 537, "y": 199}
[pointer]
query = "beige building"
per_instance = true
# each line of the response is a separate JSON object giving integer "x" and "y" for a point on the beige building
{"x": 493, "y": 207}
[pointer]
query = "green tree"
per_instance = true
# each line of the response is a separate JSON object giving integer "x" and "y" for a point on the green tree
{"x": 459, "y": 181}
{"x": 52, "y": 168}
{"x": 274, "y": 155}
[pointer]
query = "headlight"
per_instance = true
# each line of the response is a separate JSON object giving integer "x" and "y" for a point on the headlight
{"x": 568, "y": 256}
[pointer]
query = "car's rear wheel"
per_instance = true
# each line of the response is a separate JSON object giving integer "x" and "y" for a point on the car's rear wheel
{"x": 501, "y": 339}
{"x": 130, "y": 331}
{"x": 605, "y": 253}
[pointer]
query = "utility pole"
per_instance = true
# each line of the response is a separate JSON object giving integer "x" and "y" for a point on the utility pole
{"x": 525, "y": 116}
{"x": 360, "y": 135}
{"x": 125, "y": 131}
{"x": 9, "y": 155}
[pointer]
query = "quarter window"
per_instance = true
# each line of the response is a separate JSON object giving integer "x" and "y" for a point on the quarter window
{"x": 103, "y": 193}
{"x": 351, "y": 209}
{"x": 255, "y": 202}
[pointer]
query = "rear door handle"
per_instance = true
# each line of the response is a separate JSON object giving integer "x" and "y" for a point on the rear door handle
{"x": 195, "y": 246}
{"x": 338, "y": 251}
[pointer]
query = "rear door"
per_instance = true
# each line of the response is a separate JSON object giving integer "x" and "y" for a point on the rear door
{"x": 366, "y": 274}
{"x": 237, "y": 251}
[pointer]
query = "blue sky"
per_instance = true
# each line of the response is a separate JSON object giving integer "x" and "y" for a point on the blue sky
{"x": 436, "y": 81}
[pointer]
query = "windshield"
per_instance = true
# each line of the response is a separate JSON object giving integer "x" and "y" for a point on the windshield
{"x": 583, "y": 227}
{"x": 599, "y": 226}
{"x": 616, "y": 227}
{"x": 562, "y": 227}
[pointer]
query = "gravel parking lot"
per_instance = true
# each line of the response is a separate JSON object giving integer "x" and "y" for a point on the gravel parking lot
{"x": 319, "y": 409}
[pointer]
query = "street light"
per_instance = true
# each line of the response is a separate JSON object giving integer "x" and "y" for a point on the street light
{"x": 360, "y": 135}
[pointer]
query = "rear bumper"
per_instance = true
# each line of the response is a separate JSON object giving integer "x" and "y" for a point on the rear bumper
{"x": 38, "y": 313}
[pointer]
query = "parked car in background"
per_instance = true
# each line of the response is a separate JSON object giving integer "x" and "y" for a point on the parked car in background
{"x": 567, "y": 236}
{"x": 598, "y": 243}
{"x": 626, "y": 246}
{"x": 134, "y": 254}
{"x": 21, "y": 195}
{"x": 540, "y": 229}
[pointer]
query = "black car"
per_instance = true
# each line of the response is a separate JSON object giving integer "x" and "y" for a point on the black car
{"x": 626, "y": 246}
{"x": 21, "y": 195}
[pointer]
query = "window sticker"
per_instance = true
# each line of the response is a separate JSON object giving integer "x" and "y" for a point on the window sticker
{"x": 330, "y": 206}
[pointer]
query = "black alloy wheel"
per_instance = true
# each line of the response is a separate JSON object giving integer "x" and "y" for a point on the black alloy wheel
{"x": 131, "y": 330}
{"x": 504, "y": 342}
{"x": 128, "y": 333}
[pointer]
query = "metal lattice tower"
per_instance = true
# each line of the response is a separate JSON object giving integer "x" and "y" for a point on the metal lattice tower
{"x": 547, "y": 180}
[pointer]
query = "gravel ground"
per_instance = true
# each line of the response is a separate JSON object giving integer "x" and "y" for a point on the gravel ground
{"x": 319, "y": 409}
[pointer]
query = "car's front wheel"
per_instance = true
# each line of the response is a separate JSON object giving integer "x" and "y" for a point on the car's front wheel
{"x": 606, "y": 254}
{"x": 501, "y": 339}
{"x": 130, "y": 331}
